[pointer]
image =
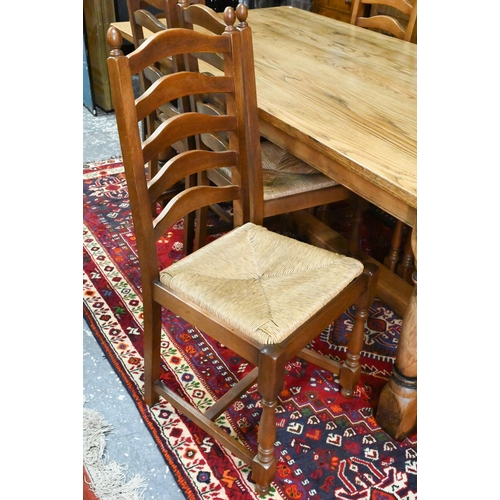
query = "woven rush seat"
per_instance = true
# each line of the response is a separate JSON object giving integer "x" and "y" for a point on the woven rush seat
{"x": 283, "y": 174}
{"x": 262, "y": 283}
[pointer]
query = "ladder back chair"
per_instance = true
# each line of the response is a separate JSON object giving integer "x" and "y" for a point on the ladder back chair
{"x": 376, "y": 15}
{"x": 287, "y": 183}
{"x": 232, "y": 289}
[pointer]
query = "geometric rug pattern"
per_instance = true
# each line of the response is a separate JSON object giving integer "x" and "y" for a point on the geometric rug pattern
{"x": 328, "y": 446}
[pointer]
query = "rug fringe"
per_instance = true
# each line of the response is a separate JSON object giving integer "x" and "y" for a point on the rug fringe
{"x": 113, "y": 159}
{"x": 108, "y": 480}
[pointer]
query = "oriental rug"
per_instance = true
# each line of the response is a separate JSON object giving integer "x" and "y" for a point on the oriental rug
{"x": 328, "y": 446}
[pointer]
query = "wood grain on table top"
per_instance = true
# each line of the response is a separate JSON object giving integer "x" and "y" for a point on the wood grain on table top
{"x": 348, "y": 92}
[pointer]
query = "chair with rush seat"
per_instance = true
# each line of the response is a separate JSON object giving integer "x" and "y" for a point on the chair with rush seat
{"x": 376, "y": 15}
{"x": 287, "y": 183}
{"x": 232, "y": 288}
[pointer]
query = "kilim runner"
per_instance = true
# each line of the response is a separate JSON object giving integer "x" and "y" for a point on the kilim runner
{"x": 329, "y": 447}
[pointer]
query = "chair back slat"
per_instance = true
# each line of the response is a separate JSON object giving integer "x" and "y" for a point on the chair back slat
{"x": 187, "y": 163}
{"x": 189, "y": 200}
{"x": 167, "y": 88}
{"x": 184, "y": 125}
{"x": 152, "y": 73}
{"x": 201, "y": 15}
{"x": 384, "y": 23}
{"x": 168, "y": 43}
{"x": 215, "y": 60}
{"x": 148, "y": 21}
{"x": 386, "y": 16}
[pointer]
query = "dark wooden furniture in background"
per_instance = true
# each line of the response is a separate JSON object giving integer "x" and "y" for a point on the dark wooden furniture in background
{"x": 247, "y": 311}
{"x": 97, "y": 16}
{"x": 336, "y": 9}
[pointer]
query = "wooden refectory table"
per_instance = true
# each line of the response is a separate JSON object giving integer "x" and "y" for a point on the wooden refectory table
{"x": 344, "y": 99}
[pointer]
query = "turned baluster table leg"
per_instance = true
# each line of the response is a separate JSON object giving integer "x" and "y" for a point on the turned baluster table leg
{"x": 397, "y": 408}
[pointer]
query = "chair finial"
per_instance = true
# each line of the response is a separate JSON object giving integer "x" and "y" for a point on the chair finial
{"x": 229, "y": 19}
{"x": 242, "y": 14}
{"x": 114, "y": 39}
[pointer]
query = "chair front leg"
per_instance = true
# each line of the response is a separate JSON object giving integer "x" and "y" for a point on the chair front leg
{"x": 270, "y": 384}
{"x": 351, "y": 369}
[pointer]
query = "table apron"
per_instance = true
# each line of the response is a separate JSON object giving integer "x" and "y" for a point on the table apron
{"x": 359, "y": 185}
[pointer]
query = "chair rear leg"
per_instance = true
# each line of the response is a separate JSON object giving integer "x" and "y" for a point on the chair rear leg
{"x": 354, "y": 241}
{"x": 351, "y": 369}
{"x": 406, "y": 267}
{"x": 152, "y": 339}
{"x": 392, "y": 258}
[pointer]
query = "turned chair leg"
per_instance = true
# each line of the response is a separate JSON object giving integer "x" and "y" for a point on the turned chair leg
{"x": 351, "y": 369}
{"x": 392, "y": 258}
{"x": 354, "y": 240}
{"x": 270, "y": 384}
{"x": 152, "y": 339}
{"x": 406, "y": 267}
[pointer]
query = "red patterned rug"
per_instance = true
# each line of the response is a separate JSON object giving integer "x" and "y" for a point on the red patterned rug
{"x": 328, "y": 446}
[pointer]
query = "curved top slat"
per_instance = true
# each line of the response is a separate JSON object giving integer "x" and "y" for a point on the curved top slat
{"x": 385, "y": 23}
{"x": 148, "y": 21}
{"x": 202, "y": 15}
{"x": 167, "y": 43}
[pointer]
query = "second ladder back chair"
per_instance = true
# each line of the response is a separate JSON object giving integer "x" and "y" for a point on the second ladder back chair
{"x": 387, "y": 16}
{"x": 151, "y": 15}
{"x": 287, "y": 183}
{"x": 232, "y": 289}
